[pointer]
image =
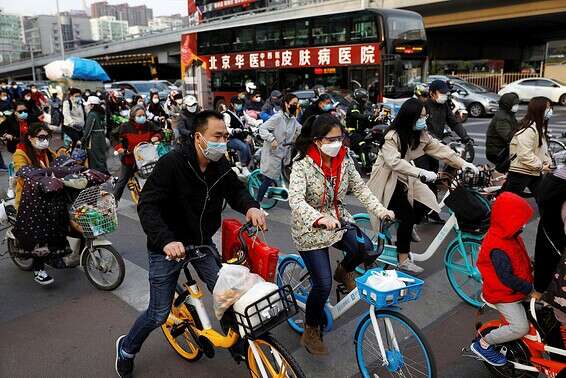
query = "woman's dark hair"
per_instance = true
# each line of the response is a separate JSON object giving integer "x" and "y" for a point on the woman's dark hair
{"x": 535, "y": 114}
{"x": 33, "y": 130}
{"x": 316, "y": 127}
{"x": 98, "y": 109}
{"x": 404, "y": 124}
{"x": 286, "y": 99}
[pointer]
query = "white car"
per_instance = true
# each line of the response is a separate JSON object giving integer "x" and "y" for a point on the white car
{"x": 536, "y": 87}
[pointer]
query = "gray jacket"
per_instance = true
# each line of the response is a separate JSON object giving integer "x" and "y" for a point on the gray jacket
{"x": 284, "y": 130}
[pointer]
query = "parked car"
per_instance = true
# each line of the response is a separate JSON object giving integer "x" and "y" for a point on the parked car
{"x": 539, "y": 86}
{"x": 142, "y": 87}
{"x": 479, "y": 101}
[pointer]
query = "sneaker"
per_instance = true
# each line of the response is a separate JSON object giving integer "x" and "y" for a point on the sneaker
{"x": 124, "y": 365}
{"x": 42, "y": 278}
{"x": 489, "y": 354}
{"x": 415, "y": 237}
{"x": 409, "y": 266}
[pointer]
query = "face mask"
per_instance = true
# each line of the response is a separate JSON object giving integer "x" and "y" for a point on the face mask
{"x": 155, "y": 101}
{"x": 129, "y": 100}
{"x": 257, "y": 99}
{"x": 179, "y": 101}
{"x": 33, "y": 90}
{"x": 327, "y": 107}
{"x": 22, "y": 115}
{"x": 87, "y": 94}
{"x": 141, "y": 103}
{"x": 140, "y": 119}
{"x": 27, "y": 98}
{"x": 98, "y": 94}
{"x": 238, "y": 107}
{"x": 40, "y": 144}
{"x": 515, "y": 108}
{"x": 293, "y": 109}
{"x": 15, "y": 86}
{"x": 214, "y": 150}
{"x": 331, "y": 149}
{"x": 192, "y": 109}
{"x": 548, "y": 114}
{"x": 3, "y": 98}
{"x": 442, "y": 98}
{"x": 421, "y": 124}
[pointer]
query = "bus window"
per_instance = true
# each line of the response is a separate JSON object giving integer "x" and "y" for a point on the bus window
{"x": 405, "y": 28}
{"x": 296, "y": 33}
{"x": 268, "y": 36}
{"x": 364, "y": 28}
{"x": 243, "y": 39}
{"x": 216, "y": 43}
{"x": 325, "y": 31}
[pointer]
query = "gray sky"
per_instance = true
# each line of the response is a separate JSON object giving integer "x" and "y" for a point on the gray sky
{"x": 34, "y": 7}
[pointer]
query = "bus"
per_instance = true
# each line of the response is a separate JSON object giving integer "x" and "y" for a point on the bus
{"x": 383, "y": 50}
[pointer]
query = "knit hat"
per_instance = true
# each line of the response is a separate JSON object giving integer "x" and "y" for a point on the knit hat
{"x": 134, "y": 109}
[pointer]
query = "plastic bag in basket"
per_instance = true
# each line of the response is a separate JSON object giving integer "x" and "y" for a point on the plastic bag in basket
{"x": 385, "y": 281}
{"x": 233, "y": 282}
{"x": 95, "y": 211}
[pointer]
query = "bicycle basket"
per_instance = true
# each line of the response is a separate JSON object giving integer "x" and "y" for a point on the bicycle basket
{"x": 94, "y": 211}
{"x": 471, "y": 209}
{"x": 379, "y": 299}
{"x": 475, "y": 180}
{"x": 146, "y": 170}
{"x": 260, "y": 316}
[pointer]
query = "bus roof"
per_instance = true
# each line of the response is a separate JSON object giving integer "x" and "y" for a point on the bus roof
{"x": 322, "y": 9}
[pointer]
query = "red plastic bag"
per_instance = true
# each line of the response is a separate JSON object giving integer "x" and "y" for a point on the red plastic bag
{"x": 262, "y": 258}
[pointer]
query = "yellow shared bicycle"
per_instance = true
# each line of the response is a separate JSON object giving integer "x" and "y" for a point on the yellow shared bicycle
{"x": 189, "y": 331}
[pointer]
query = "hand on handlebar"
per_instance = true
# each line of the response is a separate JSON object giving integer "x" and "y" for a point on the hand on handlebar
{"x": 427, "y": 176}
{"x": 174, "y": 251}
{"x": 471, "y": 167}
{"x": 385, "y": 214}
{"x": 328, "y": 223}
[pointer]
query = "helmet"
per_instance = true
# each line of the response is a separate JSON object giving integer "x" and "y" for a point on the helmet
{"x": 250, "y": 86}
{"x": 318, "y": 90}
{"x": 421, "y": 90}
{"x": 361, "y": 95}
{"x": 189, "y": 101}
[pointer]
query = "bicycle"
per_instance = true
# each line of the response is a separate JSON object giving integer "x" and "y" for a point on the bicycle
{"x": 462, "y": 252}
{"x": 400, "y": 343}
{"x": 189, "y": 331}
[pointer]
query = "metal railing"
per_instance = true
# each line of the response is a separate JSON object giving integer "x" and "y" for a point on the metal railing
{"x": 496, "y": 80}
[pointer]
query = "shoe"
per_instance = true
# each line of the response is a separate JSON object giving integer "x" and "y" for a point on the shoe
{"x": 415, "y": 237}
{"x": 311, "y": 339}
{"x": 124, "y": 366}
{"x": 409, "y": 266}
{"x": 434, "y": 218}
{"x": 42, "y": 278}
{"x": 489, "y": 354}
{"x": 345, "y": 278}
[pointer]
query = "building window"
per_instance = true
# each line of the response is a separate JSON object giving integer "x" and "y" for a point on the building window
{"x": 296, "y": 34}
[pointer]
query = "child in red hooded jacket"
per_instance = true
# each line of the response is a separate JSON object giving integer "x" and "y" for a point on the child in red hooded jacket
{"x": 506, "y": 272}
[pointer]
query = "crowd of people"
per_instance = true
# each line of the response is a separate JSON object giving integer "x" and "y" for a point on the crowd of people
{"x": 181, "y": 202}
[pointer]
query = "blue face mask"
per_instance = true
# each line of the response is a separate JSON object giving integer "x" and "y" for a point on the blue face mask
{"x": 22, "y": 115}
{"x": 140, "y": 120}
{"x": 421, "y": 124}
{"x": 238, "y": 107}
{"x": 327, "y": 107}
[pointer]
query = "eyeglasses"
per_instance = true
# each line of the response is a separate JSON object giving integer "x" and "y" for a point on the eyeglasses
{"x": 334, "y": 139}
{"x": 43, "y": 138}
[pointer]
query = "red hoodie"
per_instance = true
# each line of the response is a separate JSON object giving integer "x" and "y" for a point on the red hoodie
{"x": 509, "y": 214}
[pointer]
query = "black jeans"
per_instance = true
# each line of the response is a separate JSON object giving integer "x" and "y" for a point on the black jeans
{"x": 73, "y": 133}
{"x": 405, "y": 215}
{"x": 39, "y": 263}
{"x": 265, "y": 184}
{"x": 163, "y": 277}
{"x": 517, "y": 182}
{"x": 317, "y": 263}
{"x": 125, "y": 173}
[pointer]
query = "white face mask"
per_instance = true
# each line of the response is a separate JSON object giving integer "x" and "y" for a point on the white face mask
{"x": 331, "y": 149}
{"x": 192, "y": 109}
{"x": 155, "y": 101}
{"x": 442, "y": 98}
{"x": 515, "y": 108}
{"x": 40, "y": 144}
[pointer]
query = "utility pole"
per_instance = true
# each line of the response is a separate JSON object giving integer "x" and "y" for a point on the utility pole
{"x": 62, "y": 45}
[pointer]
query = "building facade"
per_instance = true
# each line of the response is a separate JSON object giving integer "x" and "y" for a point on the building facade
{"x": 166, "y": 23}
{"x": 135, "y": 16}
{"x": 11, "y": 37}
{"x": 107, "y": 28}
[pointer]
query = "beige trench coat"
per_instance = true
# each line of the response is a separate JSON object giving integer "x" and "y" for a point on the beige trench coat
{"x": 390, "y": 167}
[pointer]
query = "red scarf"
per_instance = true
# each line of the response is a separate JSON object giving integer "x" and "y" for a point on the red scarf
{"x": 334, "y": 171}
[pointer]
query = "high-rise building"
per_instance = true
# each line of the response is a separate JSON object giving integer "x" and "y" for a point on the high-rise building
{"x": 139, "y": 15}
{"x": 166, "y": 22}
{"x": 108, "y": 28}
{"x": 11, "y": 37}
{"x": 136, "y": 15}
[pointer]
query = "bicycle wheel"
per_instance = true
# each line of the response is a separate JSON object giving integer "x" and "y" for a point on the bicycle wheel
{"x": 291, "y": 271}
{"x": 412, "y": 357}
{"x": 276, "y": 360}
{"x": 183, "y": 344}
{"x": 557, "y": 151}
{"x": 104, "y": 267}
{"x": 254, "y": 182}
{"x": 463, "y": 275}
{"x": 23, "y": 264}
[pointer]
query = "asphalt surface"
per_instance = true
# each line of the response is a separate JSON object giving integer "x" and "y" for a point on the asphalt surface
{"x": 69, "y": 328}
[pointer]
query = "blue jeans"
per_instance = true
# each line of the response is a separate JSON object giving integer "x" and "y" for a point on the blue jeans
{"x": 163, "y": 277}
{"x": 243, "y": 149}
{"x": 356, "y": 245}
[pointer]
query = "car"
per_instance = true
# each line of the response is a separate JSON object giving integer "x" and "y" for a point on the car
{"x": 143, "y": 87}
{"x": 526, "y": 89}
{"x": 305, "y": 98}
{"x": 478, "y": 101}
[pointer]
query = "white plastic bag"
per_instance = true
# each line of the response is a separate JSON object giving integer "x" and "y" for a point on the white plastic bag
{"x": 233, "y": 282}
{"x": 59, "y": 69}
{"x": 387, "y": 280}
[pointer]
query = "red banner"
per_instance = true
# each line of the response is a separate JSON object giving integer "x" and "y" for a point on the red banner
{"x": 331, "y": 56}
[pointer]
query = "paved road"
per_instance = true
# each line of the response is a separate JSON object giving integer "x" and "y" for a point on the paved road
{"x": 69, "y": 328}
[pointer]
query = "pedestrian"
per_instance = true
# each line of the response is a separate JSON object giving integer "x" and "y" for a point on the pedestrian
{"x": 272, "y": 105}
{"x": 74, "y": 116}
{"x": 322, "y": 174}
{"x": 506, "y": 274}
{"x": 94, "y": 135}
{"x": 255, "y": 104}
{"x": 15, "y": 91}
{"x": 322, "y": 105}
{"x": 132, "y": 133}
{"x": 173, "y": 103}
{"x": 38, "y": 97}
{"x": 278, "y": 133}
{"x": 33, "y": 110}
{"x": 501, "y": 129}
{"x": 155, "y": 111}
{"x": 15, "y": 127}
{"x": 234, "y": 119}
{"x": 528, "y": 149}
{"x": 6, "y": 104}
{"x": 56, "y": 112}
{"x": 181, "y": 205}
{"x": 397, "y": 183}
{"x": 183, "y": 124}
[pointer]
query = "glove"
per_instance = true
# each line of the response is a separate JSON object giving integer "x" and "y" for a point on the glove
{"x": 469, "y": 166}
{"x": 428, "y": 176}
{"x": 383, "y": 213}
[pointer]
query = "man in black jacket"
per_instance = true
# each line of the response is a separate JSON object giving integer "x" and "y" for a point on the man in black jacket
{"x": 501, "y": 129}
{"x": 181, "y": 204}
{"x": 322, "y": 105}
